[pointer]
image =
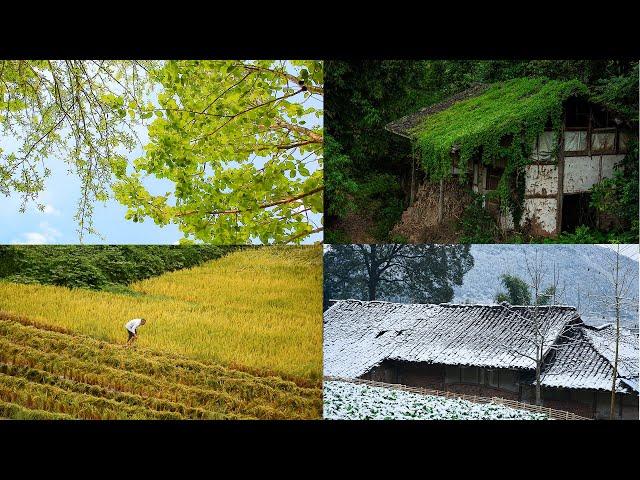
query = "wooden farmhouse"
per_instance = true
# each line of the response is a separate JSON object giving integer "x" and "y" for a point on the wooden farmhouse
{"x": 486, "y": 350}
{"x": 563, "y": 161}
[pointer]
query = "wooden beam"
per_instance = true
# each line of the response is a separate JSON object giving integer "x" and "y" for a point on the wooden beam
{"x": 441, "y": 201}
{"x": 560, "y": 191}
{"x": 413, "y": 170}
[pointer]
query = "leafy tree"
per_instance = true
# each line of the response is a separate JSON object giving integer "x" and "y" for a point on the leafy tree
{"x": 517, "y": 291}
{"x": 340, "y": 186}
{"x": 79, "y": 112}
{"x": 618, "y": 196}
{"x": 363, "y": 96}
{"x": 547, "y": 297}
{"x": 240, "y": 142}
{"x": 424, "y": 273}
{"x": 237, "y": 140}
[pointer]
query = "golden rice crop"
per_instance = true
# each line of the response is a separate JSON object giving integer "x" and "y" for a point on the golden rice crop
{"x": 258, "y": 309}
{"x": 55, "y": 374}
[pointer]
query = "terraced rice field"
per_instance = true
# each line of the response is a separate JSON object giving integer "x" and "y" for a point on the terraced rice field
{"x": 50, "y": 373}
{"x": 257, "y": 310}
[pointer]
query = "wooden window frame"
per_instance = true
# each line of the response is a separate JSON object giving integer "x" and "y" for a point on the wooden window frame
{"x": 589, "y": 152}
{"x": 489, "y": 168}
{"x": 550, "y": 160}
{"x": 616, "y": 135}
{"x": 577, "y": 153}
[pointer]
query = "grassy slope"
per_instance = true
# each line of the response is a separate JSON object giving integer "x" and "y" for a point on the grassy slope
{"x": 53, "y": 374}
{"x": 258, "y": 310}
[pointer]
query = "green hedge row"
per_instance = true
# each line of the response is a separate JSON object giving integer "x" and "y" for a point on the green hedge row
{"x": 98, "y": 267}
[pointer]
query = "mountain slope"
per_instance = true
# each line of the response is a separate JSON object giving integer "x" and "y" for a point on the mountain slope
{"x": 584, "y": 270}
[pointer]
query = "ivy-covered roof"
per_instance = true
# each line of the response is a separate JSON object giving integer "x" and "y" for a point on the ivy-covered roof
{"x": 478, "y": 119}
{"x": 403, "y": 126}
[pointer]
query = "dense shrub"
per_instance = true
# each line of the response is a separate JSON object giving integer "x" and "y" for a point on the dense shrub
{"x": 99, "y": 267}
{"x": 477, "y": 224}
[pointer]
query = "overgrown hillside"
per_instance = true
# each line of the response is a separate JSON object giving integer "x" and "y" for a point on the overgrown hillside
{"x": 51, "y": 373}
{"x": 99, "y": 267}
{"x": 256, "y": 309}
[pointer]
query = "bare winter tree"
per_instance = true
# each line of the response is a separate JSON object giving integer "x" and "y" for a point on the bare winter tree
{"x": 620, "y": 279}
{"x": 540, "y": 335}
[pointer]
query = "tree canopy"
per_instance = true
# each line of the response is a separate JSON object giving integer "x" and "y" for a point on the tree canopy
{"x": 239, "y": 141}
{"x": 420, "y": 273}
{"x": 517, "y": 292}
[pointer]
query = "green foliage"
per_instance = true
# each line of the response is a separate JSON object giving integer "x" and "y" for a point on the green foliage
{"x": 517, "y": 291}
{"x": 618, "y": 196}
{"x": 381, "y": 196}
{"x": 477, "y": 224}
{"x": 216, "y": 118}
{"x": 335, "y": 235}
{"x": 239, "y": 142}
{"x": 365, "y": 95}
{"x": 74, "y": 111}
{"x": 547, "y": 296}
{"x": 501, "y": 123}
{"x": 584, "y": 234}
{"x": 99, "y": 267}
{"x": 339, "y": 185}
{"x": 620, "y": 92}
{"x": 417, "y": 273}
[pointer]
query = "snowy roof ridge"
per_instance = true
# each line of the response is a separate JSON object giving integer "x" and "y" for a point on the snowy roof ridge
{"x": 359, "y": 334}
{"x": 452, "y": 304}
{"x": 584, "y": 363}
{"x": 628, "y": 357}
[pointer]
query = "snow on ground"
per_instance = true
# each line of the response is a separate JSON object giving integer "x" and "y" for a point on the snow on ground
{"x": 351, "y": 401}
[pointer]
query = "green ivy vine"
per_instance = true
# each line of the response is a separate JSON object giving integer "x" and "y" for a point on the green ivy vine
{"x": 501, "y": 123}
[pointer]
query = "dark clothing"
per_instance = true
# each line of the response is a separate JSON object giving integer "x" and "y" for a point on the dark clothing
{"x": 131, "y": 335}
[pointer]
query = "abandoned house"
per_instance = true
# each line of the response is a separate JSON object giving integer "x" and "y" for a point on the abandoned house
{"x": 532, "y": 147}
{"x": 486, "y": 350}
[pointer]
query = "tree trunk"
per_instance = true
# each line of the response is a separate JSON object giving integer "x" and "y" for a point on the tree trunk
{"x": 373, "y": 273}
{"x": 373, "y": 287}
{"x": 615, "y": 361}
{"x": 538, "y": 395}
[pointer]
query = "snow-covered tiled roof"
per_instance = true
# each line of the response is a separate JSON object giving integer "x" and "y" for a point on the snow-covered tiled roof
{"x": 586, "y": 360}
{"x": 604, "y": 341}
{"x": 359, "y": 335}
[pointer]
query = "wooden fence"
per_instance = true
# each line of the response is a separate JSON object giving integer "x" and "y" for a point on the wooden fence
{"x": 549, "y": 412}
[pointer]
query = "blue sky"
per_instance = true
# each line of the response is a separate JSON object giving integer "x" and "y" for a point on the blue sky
{"x": 57, "y": 225}
{"x": 60, "y": 197}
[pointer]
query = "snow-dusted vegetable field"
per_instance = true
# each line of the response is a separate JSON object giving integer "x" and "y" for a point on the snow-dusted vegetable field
{"x": 350, "y": 401}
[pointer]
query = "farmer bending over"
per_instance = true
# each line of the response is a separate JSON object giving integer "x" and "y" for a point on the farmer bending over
{"x": 132, "y": 329}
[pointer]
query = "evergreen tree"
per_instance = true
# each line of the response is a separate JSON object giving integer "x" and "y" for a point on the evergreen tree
{"x": 424, "y": 273}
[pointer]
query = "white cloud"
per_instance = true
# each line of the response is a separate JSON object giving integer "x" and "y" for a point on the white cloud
{"x": 34, "y": 238}
{"x": 51, "y": 210}
{"x": 48, "y": 234}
